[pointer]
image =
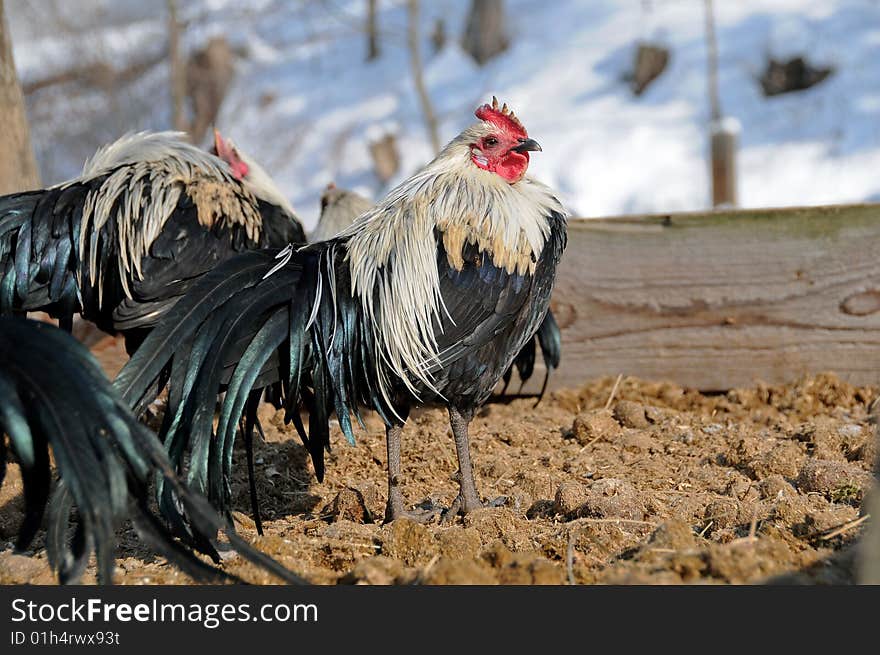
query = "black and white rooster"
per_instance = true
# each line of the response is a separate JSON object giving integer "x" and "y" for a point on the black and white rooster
{"x": 430, "y": 295}
{"x": 121, "y": 243}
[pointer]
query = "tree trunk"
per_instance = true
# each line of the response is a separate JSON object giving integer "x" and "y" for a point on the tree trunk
{"x": 177, "y": 68}
{"x": 18, "y": 168}
{"x": 373, "y": 50}
{"x": 722, "y": 133}
{"x": 209, "y": 73}
{"x": 715, "y": 113}
{"x": 486, "y": 32}
{"x": 722, "y": 145}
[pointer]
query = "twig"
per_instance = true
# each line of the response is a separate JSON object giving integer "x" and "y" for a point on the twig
{"x": 846, "y": 526}
{"x": 712, "y": 63}
{"x": 569, "y": 558}
{"x": 590, "y": 442}
{"x": 753, "y": 529}
{"x": 500, "y": 478}
{"x": 177, "y": 69}
{"x": 753, "y": 526}
{"x": 708, "y": 525}
{"x": 428, "y": 567}
{"x": 613, "y": 391}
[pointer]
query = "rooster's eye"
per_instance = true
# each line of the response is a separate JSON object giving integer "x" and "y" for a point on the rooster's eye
{"x": 490, "y": 141}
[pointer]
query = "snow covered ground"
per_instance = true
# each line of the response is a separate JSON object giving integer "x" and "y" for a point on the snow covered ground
{"x": 306, "y": 105}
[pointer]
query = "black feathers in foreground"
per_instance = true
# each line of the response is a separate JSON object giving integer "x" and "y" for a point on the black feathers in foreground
{"x": 53, "y": 395}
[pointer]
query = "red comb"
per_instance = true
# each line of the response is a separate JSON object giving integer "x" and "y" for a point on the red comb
{"x": 503, "y": 117}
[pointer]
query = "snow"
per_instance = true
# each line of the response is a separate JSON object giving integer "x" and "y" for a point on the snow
{"x": 307, "y": 106}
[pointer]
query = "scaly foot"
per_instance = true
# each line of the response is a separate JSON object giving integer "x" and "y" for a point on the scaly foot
{"x": 459, "y": 506}
{"x": 395, "y": 509}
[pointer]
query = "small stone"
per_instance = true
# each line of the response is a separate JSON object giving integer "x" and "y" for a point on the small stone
{"x": 612, "y": 498}
{"x": 783, "y": 459}
{"x": 724, "y": 513}
{"x": 594, "y": 425}
{"x": 631, "y": 414}
{"x": 348, "y": 505}
{"x": 686, "y": 437}
{"x": 569, "y": 497}
{"x": 775, "y": 486}
{"x": 657, "y": 414}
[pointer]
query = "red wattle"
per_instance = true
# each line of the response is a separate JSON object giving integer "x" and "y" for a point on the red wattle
{"x": 512, "y": 166}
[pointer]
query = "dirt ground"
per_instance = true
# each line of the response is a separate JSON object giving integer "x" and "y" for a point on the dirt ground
{"x": 667, "y": 485}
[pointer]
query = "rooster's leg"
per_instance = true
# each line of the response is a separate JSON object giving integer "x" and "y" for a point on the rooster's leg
{"x": 395, "y": 508}
{"x": 468, "y": 499}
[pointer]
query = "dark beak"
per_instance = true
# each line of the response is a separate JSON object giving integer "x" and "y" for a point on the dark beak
{"x": 526, "y": 145}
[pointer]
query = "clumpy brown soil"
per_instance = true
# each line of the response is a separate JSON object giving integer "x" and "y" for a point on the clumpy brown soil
{"x": 666, "y": 486}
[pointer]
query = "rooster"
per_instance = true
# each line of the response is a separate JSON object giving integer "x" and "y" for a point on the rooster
{"x": 430, "y": 295}
{"x": 340, "y": 208}
{"x": 120, "y": 244}
{"x": 53, "y": 393}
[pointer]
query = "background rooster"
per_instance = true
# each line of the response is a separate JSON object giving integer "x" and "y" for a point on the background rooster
{"x": 53, "y": 394}
{"x": 120, "y": 244}
{"x": 339, "y": 209}
{"x": 430, "y": 295}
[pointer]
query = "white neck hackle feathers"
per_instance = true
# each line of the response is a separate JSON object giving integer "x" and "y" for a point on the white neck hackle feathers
{"x": 147, "y": 173}
{"x": 392, "y": 251}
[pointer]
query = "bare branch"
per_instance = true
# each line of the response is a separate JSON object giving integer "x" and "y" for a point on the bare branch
{"x": 418, "y": 79}
{"x": 178, "y": 70}
{"x": 712, "y": 62}
{"x": 373, "y": 50}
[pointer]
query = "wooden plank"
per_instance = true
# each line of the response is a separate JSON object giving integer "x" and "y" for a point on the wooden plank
{"x": 722, "y": 299}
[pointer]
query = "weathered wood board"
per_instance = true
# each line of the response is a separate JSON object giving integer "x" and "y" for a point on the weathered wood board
{"x": 722, "y": 299}
{"x": 713, "y": 300}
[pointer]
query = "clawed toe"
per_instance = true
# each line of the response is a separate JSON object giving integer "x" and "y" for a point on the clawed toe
{"x": 423, "y": 513}
{"x": 458, "y": 506}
